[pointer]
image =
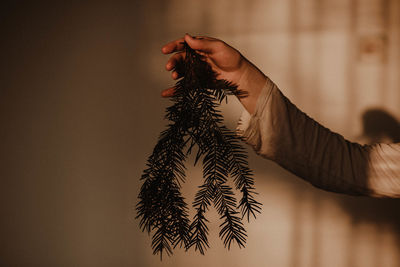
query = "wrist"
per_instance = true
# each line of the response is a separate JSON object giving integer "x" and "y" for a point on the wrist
{"x": 251, "y": 82}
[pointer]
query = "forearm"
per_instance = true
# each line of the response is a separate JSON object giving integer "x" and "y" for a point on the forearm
{"x": 278, "y": 130}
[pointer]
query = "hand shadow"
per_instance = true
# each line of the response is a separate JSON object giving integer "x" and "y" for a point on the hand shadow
{"x": 379, "y": 126}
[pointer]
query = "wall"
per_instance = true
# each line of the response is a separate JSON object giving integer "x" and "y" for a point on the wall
{"x": 80, "y": 112}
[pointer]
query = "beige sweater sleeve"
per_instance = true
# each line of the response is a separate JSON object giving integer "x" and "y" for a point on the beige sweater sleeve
{"x": 279, "y": 131}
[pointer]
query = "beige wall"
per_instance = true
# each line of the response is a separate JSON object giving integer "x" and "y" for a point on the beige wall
{"x": 80, "y": 112}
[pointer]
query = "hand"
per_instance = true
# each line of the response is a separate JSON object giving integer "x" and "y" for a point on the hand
{"x": 226, "y": 61}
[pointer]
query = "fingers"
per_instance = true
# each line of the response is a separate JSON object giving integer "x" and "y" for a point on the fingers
{"x": 175, "y": 75}
{"x": 203, "y": 44}
{"x": 172, "y": 62}
{"x": 175, "y": 58}
{"x": 174, "y": 46}
{"x": 168, "y": 92}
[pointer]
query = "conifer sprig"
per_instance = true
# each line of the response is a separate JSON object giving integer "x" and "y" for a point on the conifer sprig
{"x": 195, "y": 121}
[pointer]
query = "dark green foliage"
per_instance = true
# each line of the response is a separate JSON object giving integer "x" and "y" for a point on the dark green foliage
{"x": 195, "y": 121}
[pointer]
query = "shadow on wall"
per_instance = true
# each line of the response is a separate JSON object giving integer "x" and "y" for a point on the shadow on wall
{"x": 379, "y": 126}
{"x": 379, "y": 217}
{"x": 371, "y": 219}
{"x": 373, "y": 237}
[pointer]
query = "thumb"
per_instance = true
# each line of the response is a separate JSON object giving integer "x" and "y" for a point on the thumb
{"x": 200, "y": 43}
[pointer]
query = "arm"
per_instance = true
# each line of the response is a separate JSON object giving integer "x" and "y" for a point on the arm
{"x": 279, "y": 131}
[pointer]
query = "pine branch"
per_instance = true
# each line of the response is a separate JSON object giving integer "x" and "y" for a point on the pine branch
{"x": 215, "y": 172}
{"x": 196, "y": 122}
{"x": 199, "y": 230}
{"x": 238, "y": 166}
